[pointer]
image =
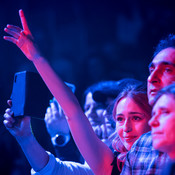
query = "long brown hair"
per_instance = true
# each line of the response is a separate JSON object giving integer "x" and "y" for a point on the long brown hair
{"x": 138, "y": 93}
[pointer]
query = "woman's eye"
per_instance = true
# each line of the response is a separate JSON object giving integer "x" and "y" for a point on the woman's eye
{"x": 165, "y": 111}
{"x": 137, "y": 118}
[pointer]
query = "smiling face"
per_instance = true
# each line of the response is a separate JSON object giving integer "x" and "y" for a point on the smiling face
{"x": 162, "y": 72}
{"x": 131, "y": 121}
{"x": 163, "y": 125}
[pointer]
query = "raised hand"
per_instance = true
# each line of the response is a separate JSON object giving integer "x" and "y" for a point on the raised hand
{"x": 21, "y": 130}
{"x": 55, "y": 120}
{"x": 22, "y": 38}
{"x": 18, "y": 127}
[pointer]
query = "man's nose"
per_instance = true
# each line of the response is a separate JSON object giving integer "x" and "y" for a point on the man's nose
{"x": 154, "y": 76}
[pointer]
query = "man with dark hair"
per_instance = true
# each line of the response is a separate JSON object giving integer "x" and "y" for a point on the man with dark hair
{"x": 169, "y": 41}
{"x": 143, "y": 158}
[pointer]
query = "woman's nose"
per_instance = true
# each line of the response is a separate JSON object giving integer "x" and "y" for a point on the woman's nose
{"x": 127, "y": 126}
{"x": 153, "y": 122}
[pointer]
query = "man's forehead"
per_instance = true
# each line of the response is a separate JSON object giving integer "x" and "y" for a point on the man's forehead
{"x": 164, "y": 57}
{"x": 154, "y": 64}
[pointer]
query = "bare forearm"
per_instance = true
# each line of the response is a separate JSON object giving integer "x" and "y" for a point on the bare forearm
{"x": 35, "y": 154}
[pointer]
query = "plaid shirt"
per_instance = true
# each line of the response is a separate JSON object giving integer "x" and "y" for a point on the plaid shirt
{"x": 143, "y": 159}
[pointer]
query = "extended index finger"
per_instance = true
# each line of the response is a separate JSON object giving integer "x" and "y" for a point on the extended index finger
{"x": 23, "y": 21}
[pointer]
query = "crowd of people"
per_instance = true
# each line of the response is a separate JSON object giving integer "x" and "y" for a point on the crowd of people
{"x": 126, "y": 126}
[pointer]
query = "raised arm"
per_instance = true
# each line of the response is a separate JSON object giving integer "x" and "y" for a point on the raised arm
{"x": 95, "y": 152}
{"x": 25, "y": 41}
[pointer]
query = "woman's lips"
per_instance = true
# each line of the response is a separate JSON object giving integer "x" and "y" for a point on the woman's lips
{"x": 130, "y": 138}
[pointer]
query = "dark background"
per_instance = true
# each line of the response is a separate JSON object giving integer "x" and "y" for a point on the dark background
{"x": 86, "y": 41}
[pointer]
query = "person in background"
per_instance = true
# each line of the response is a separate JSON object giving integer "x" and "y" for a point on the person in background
{"x": 106, "y": 92}
{"x": 58, "y": 129}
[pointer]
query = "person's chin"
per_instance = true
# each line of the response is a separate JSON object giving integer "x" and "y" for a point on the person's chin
{"x": 156, "y": 145}
{"x": 151, "y": 99}
{"x": 128, "y": 146}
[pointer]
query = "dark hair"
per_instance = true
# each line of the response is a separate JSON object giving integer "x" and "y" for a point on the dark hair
{"x": 105, "y": 88}
{"x": 129, "y": 82}
{"x": 164, "y": 43}
{"x": 168, "y": 90}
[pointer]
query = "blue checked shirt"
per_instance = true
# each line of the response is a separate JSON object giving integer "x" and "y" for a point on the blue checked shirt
{"x": 143, "y": 159}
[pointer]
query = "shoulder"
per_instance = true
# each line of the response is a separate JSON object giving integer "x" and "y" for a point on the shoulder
{"x": 145, "y": 139}
{"x": 144, "y": 142}
{"x": 142, "y": 147}
{"x": 143, "y": 151}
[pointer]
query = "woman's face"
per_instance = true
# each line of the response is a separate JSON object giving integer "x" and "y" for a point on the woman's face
{"x": 162, "y": 125}
{"x": 131, "y": 121}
